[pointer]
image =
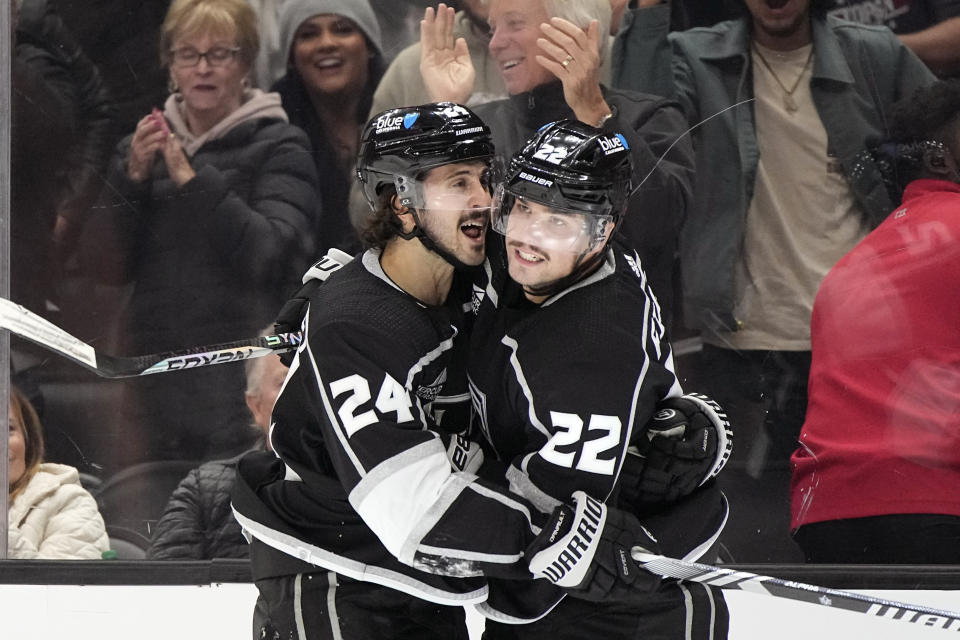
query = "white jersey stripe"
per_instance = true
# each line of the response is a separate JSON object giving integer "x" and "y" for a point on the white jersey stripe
{"x": 332, "y": 605}
{"x": 298, "y": 607}
{"x": 522, "y": 380}
{"x": 396, "y": 495}
{"x": 353, "y": 569}
{"x": 503, "y": 498}
{"x": 338, "y": 428}
{"x": 521, "y": 484}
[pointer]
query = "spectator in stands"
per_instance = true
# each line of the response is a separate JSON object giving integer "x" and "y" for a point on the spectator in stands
{"x": 198, "y": 523}
{"x": 270, "y": 63}
{"x": 549, "y": 54}
{"x": 777, "y": 202}
{"x": 931, "y": 28}
{"x": 211, "y": 211}
{"x": 333, "y": 67}
{"x": 875, "y": 478}
{"x": 62, "y": 121}
{"x": 402, "y": 84}
{"x": 50, "y": 516}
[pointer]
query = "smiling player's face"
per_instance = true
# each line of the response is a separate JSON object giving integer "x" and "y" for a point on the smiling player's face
{"x": 456, "y": 209}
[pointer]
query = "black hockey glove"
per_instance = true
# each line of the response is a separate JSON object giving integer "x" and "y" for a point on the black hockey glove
{"x": 686, "y": 443}
{"x": 585, "y": 548}
{"x": 290, "y": 318}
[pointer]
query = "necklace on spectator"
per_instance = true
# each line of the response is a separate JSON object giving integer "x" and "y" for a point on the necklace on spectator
{"x": 788, "y": 102}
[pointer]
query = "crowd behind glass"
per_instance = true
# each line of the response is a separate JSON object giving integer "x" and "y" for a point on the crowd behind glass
{"x": 171, "y": 184}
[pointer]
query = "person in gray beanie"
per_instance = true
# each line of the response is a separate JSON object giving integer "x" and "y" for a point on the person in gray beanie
{"x": 334, "y": 64}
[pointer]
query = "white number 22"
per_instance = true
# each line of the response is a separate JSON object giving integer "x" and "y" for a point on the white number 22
{"x": 570, "y": 428}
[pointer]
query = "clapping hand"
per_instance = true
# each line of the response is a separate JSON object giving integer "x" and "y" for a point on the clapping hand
{"x": 153, "y": 135}
{"x": 573, "y": 55}
{"x": 148, "y": 138}
{"x": 445, "y": 64}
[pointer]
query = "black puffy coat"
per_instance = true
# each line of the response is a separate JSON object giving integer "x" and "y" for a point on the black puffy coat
{"x": 209, "y": 262}
{"x": 198, "y": 523}
{"x": 61, "y": 142}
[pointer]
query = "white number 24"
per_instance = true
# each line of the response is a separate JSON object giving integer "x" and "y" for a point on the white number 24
{"x": 392, "y": 397}
{"x": 569, "y": 429}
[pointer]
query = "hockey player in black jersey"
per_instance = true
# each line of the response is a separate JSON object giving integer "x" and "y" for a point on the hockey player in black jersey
{"x": 369, "y": 519}
{"x": 569, "y": 360}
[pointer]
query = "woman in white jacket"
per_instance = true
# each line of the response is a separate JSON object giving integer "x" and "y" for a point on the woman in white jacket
{"x": 50, "y": 516}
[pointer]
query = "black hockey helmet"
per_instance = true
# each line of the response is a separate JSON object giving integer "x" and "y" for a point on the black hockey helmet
{"x": 571, "y": 167}
{"x": 583, "y": 176}
{"x": 399, "y": 145}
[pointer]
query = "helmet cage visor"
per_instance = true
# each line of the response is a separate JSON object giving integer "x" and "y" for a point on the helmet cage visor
{"x": 412, "y": 190}
{"x": 525, "y": 219}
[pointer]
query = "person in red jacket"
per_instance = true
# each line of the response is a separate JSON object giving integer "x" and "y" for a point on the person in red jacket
{"x": 875, "y": 477}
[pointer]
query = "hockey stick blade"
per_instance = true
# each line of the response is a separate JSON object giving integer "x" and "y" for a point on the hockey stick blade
{"x": 26, "y": 324}
{"x": 824, "y": 596}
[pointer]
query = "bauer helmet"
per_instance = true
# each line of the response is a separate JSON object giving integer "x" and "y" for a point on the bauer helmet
{"x": 574, "y": 168}
{"x": 399, "y": 145}
{"x": 567, "y": 189}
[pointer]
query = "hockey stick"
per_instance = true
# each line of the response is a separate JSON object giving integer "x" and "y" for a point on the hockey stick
{"x": 26, "y": 324}
{"x": 765, "y": 585}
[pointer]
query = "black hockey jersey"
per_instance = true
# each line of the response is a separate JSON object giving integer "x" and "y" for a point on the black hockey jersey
{"x": 362, "y": 484}
{"x": 561, "y": 389}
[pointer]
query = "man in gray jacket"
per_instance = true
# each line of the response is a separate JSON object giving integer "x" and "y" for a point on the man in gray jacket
{"x": 777, "y": 201}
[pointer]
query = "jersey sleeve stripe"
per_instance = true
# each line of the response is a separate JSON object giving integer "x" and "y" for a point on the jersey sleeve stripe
{"x": 490, "y": 290}
{"x": 520, "y": 483}
{"x": 522, "y": 380}
{"x": 449, "y": 492}
{"x": 396, "y": 495}
{"x": 505, "y": 500}
{"x": 354, "y": 569}
{"x": 638, "y": 387}
{"x": 427, "y": 358}
{"x": 338, "y": 428}
{"x": 476, "y": 556}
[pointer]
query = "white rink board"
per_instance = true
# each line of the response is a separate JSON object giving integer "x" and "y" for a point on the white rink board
{"x": 223, "y": 611}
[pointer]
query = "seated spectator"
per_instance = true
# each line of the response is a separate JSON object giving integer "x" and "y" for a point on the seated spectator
{"x": 875, "y": 478}
{"x": 210, "y": 214}
{"x": 402, "y": 84}
{"x": 198, "y": 523}
{"x": 559, "y": 79}
{"x": 50, "y": 516}
{"x": 334, "y": 63}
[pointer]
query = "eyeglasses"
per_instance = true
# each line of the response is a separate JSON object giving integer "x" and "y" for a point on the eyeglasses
{"x": 215, "y": 57}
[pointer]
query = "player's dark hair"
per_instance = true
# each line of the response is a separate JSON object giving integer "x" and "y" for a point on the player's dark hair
{"x": 382, "y": 225}
{"x": 928, "y": 119}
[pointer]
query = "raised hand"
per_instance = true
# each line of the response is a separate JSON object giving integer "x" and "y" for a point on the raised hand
{"x": 572, "y": 54}
{"x": 149, "y": 137}
{"x": 177, "y": 163}
{"x": 445, "y": 65}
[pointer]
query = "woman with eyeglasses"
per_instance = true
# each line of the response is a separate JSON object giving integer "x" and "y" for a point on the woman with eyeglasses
{"x": 334, "y": 64}
{"x": 211, "y": 208}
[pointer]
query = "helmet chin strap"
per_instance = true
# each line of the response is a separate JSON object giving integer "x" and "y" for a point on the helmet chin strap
{"x": 431, "y": 245}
